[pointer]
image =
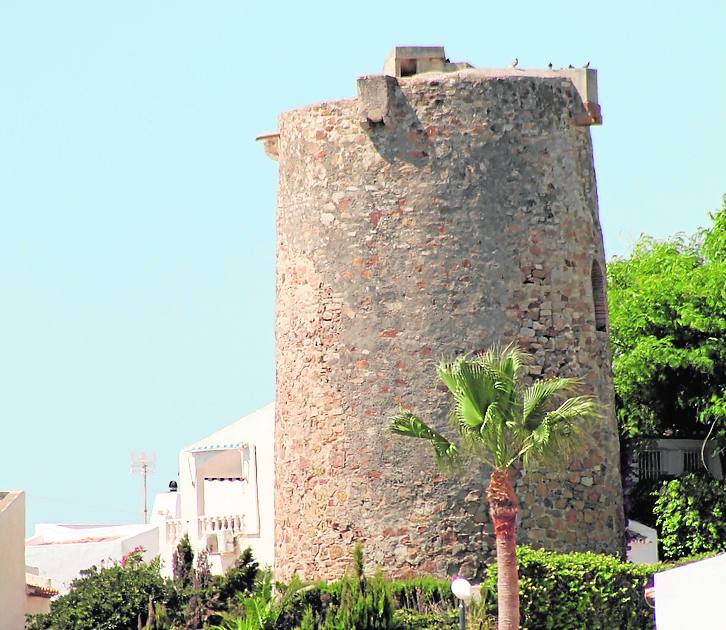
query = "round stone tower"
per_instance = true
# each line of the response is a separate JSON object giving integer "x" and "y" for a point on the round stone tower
{"x": 443, "y": 210}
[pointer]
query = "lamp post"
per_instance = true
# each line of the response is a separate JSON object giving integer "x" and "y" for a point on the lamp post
{"x": 461, "y": 589}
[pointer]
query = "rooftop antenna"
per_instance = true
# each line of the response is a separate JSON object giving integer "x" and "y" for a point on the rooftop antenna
{"x": 144, "y": 463}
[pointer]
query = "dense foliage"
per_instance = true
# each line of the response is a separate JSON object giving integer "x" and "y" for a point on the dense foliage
{"x": 113, "y": 598}
{"x": 121, "y": 596}
{"x": 560, "y": 591}
{"x": 355, "y": 601}
{"x": 580, "y": 590}
{"x": 668, "y": 333}
{"x": 691, "y": 516}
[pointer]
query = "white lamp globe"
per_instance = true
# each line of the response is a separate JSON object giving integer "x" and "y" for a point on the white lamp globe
{"x": 461, "y": 589}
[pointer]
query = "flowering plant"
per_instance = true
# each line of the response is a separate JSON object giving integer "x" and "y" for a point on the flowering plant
{"x": 133, "y": 558}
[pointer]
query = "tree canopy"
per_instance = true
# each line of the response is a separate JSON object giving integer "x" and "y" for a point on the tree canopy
{"x": 668, "y": 334}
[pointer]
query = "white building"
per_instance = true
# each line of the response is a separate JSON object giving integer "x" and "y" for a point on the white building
{"x": 224, "y": 501}
{"x": 60, "y": 552}
{"x": 642, "y": 543}
{"x": 692, "y": 596}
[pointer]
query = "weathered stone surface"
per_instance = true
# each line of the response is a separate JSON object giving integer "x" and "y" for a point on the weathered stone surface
{"x": 469, "y": 217}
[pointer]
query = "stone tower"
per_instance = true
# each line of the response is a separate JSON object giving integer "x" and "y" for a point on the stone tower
{"x": 444, "y": 209}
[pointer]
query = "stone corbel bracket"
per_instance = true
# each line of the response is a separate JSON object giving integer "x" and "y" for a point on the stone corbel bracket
{"x": 271, "y": 144}
{"x": 585, "y": 82}
{"x": 376, "y": 95}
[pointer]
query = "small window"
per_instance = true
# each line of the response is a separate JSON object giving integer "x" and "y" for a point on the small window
{"x": 408, "y": 67}
{"x": 598, "y": 297}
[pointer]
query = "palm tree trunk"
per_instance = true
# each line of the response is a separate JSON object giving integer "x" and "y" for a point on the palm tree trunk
{"x": 503, "y": 508}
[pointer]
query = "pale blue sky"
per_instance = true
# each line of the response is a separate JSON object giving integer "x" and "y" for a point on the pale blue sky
{"x": 137, "y": 212}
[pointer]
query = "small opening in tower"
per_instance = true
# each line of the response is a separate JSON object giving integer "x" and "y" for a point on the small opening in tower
{"x": 408, "y": 67}
{"x": 598, "y": 297}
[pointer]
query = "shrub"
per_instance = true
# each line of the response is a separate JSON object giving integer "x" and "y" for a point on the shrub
{"x": 641, "y": 500}
{"x": 121, "y": 596}
{"x": 259, "y": 608}
{"x": 422, "y": 594}
{"x": 182, "y": 562}
{"x": 691, "y": 516}
{"x": 579, "y": 590}
{"x": 353, "y": 602}
{"x": 413, "y": 620}
{"x": 365, "y": 603}
{"x": 240, "y": 578}
{"x": 114, "y": 598}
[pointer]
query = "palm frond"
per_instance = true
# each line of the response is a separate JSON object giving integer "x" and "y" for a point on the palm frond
{"x": 463, "y": 378}
{"x": 498, "y": 419}
{"x": 407, "y": 424}
{"x": 559, "y": 434}
{"x": 540, "y": 394}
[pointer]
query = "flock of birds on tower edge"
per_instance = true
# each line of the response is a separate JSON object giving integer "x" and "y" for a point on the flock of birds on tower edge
{"x": 515, "y": 63}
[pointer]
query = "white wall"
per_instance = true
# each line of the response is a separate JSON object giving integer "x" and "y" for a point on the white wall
{"x": 60, "y": 552}
{"x": 692, "y": 596}
{"x": 643, "y": 550}
{"x": 12, "y": 561}
{"x": 166, "y": 505}
{"x": 255, "y": 501}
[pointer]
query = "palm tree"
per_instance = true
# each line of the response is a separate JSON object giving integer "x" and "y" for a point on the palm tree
{"x": 501, "y": 421}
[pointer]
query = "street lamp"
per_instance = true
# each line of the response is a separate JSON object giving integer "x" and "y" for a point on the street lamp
{"x": 461, "y": 589}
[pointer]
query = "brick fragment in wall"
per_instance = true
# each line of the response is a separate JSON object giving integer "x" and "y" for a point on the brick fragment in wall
{"x": 471, "y": 220}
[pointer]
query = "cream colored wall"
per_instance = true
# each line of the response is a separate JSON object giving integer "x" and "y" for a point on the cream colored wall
{"x": 36, "y": 605}
{"x": 12, "y": 561}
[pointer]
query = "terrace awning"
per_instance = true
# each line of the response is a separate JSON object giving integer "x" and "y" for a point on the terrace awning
{"x": 220, "y": 446}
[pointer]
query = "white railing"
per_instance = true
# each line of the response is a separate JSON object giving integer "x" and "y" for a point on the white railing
{"x": 174, "y": 530}
{"x": 675, "y": 457}
{"x": 649, "y": 465}
{"x": 232, "y": 523}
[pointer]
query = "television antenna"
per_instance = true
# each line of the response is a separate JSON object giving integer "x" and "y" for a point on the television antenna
{"x": 144, "y": 464}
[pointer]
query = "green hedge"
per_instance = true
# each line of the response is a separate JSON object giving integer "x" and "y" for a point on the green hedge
{"x": 423, "y": 594}
{"x": 557, "y": 592}
{"x": 691, "y": 516}
{"x": 579, "y": 590}
{"x": 412, "y": 620}
{"x": 425, "y": 598}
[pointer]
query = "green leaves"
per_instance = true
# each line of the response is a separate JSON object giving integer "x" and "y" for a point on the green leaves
{"x": 559, "y": 433}
{"x": 408, "y": 425}
{"x": 667, "y": 307}
{"x": 107, "y": 599}
{"x": 580, "y": 590}
{"x": 691, "y": 516}
{"x": 499, "y": 420}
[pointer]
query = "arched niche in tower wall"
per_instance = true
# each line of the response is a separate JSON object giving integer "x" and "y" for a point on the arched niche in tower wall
{"x": 598, "y": 297}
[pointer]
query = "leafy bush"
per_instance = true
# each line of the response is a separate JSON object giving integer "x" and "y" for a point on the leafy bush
{"x": 259, "y": 607}
{"x": 691, "y": 516}
{"x": 422, "y": 594}
{"x": 413, "y": 620}
{"x": 365, "y": 603}
{"x": 120, "y": 596}
{"x": 640, "y": 500}
{"x": 579, "y": 590}
{"x": 240, "y": 578}
{"x": 114, "y": 598}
